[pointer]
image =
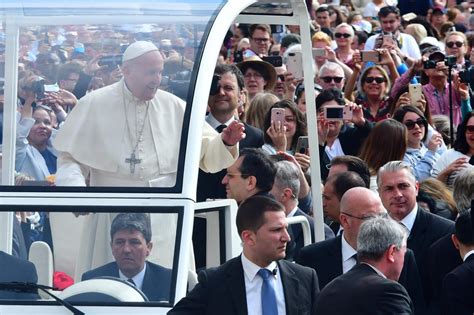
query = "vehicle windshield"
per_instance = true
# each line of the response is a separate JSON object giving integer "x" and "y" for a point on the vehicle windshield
{"x": 57, "y": 53}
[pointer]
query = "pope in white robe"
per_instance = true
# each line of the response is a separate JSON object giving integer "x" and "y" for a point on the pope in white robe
{"x": 128, "y": 134}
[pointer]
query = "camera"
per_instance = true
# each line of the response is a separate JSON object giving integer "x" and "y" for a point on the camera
{"x": 111, "y": 61}
{"x": 467, "y": 75}
{"x": 337, "y": 112}
{"x": 449, "y": 61}
{"x": 215, "y": 84}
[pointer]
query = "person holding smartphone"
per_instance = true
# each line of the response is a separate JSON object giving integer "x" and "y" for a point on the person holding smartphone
{"x": 421, "y": 157}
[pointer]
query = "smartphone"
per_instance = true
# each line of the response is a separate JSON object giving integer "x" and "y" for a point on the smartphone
{"x": 319, "y": 52}
{"x": 370, "y": 56}
{"x": 294, "y": 64}
{"x": 415, "y": 92}
{"x": 51, "y": 88}
{"x": 111, "y": 61}
{"x": 337, "y": 112}
{"x": 278, "y": 114}
{"x": 302, "y": 145}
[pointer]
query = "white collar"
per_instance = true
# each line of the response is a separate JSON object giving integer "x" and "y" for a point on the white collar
{"x": 251, "y": 269}
{"x": 347, "y": 250}
{"x": 292, "y": 213}
{"x": 469, "y": 253}
{"x": 375, "y": 269}
{"x": 138, "y": 278}
{"x": 409, "y": 220}
{"x": 211, "y": 120}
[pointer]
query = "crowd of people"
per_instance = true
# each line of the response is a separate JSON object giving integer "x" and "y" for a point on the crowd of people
{"x": 404, "y": 146}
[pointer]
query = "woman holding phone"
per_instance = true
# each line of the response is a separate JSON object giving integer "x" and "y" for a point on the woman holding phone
{"x": 421, "y": 157}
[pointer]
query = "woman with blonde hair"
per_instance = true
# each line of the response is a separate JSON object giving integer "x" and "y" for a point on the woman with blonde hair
{"x": 436, "y": 197}
{"x": 456, "y": 45}
{"x": 258, "y": 108}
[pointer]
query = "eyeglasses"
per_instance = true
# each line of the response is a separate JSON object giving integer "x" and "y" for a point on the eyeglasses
{"x": 367, "y": 217}
{"x": 411, "y": 124}
{"x": 329, "y": 79}
{"x": 377, "y": 80}
{"x": 261, "y": 40}
{"x": 340, "y": 35}
{"x": 470, "y": 128}
{"x": 451, "y": 44}
{"x": 281, "y": 77}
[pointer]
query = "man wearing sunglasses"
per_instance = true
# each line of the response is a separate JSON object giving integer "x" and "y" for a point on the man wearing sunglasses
{"x": 336, "y": 256}
{"x": 260, "y": 39}
{"x": 331, "y": 75}
{"x": 389, "y": 18}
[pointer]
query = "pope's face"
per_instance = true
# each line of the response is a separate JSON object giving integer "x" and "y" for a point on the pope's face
{"x": 143, "y": 75}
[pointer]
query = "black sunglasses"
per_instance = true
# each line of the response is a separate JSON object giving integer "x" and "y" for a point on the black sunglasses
{"x": 329, "y": 79}
{"x": 470, "y": 128}
{"x": 411, "y": 124}
{"x": 378, "y": 80}
{"x": 281, "y": 77}
{"x": 339, "y": 35}
{"x": 451, "y": 44}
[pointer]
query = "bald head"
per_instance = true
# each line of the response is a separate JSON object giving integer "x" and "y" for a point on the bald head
{"x": 359, "y": 198}
{"x": 357, "y": 205}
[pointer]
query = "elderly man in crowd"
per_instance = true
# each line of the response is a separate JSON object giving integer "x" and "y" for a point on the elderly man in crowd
{"x": 334, "y": 257}
{"x": 371, "y": 287}
{"x": 331, "y": 75}
{"x": 131, "y": 244}
{"x": 286, "y": 188}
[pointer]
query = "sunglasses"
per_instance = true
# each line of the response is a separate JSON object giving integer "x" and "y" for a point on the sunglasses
{"x": 451, "y": 44}
{"x": 281, "y": 77}
{"x": 377, "y": 80}
{"x": 470, "y": 128}
{"x": 411, "y": 124}
{"x": 339, "y": 35}
{"x": 329, "y": 79}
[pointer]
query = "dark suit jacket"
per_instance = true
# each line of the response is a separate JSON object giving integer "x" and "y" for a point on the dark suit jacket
{"x": 156, "y": 283}
{"x": 210, "y": 185}
{"x": 326, "y": 258}
{"x": 14, "y": 269}
{"x": 427, "y": 229}
{"x": 221, "y": 290}
{"x": 458, "y": 289}
{"x": 362, "y": 291}
{"x": 296, "y": 232}
{"x": 443, "y": 257}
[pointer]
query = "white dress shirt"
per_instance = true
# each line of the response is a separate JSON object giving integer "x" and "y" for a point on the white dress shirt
{"x": 253, "y": 287}
{"x": 469, "y": 253}
{"x": 214, "y": 123}
{"x": 409, "y": 220}
{"x": 347, "y": 252}
{"x": 137, "y": 279}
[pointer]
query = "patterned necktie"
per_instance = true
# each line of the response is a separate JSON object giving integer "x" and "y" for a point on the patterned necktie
{"x": 220, "y": 128}
{"x": 269, "y": 303}
{"x": 132, "y": 282}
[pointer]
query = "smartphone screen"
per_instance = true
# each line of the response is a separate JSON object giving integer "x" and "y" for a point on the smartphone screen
{"x": 334, "y": 113}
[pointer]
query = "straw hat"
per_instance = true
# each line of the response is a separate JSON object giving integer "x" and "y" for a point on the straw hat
{"x": 266, "y": 69}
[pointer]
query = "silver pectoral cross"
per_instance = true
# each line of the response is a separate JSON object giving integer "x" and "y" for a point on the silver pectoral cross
{"x": 133, "y": 161}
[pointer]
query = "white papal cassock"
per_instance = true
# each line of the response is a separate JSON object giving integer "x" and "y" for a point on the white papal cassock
{"x": 101, "y": 133}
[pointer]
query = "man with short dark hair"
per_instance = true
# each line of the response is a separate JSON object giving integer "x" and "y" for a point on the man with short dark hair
{"x": 252, "y": 174}
{"x": 131, "y": 244}
{"x": 323, "y": 17}
{"x": 389, "y": 18}
{"x": 227, "y": 94}
{"x": 258, "y": 281}
{"x": 260, "y": 38}
{"x": 371, "y": 287}
{"x": 344, "y": 163}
